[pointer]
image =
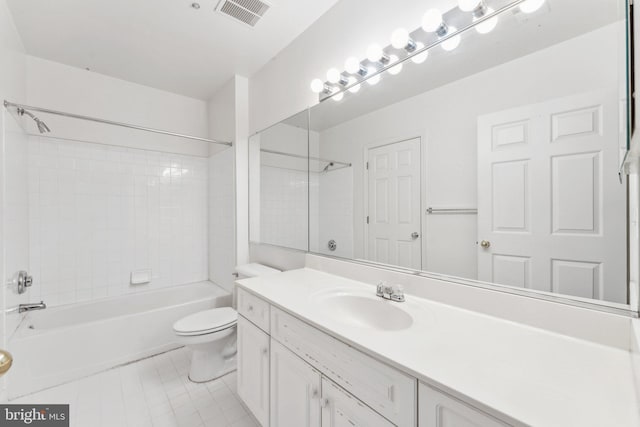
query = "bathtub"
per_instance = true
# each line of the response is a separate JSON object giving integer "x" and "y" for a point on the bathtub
{"x": 60, "y": 344}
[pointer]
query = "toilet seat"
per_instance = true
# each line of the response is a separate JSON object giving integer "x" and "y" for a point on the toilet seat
{"x": 206, "y": 322}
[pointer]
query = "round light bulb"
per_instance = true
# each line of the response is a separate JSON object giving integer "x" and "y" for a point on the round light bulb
{"x": 333, "y": 75}
{"x": 468, "y": 5}
{"x": 338, "y": 96}
{"x": 374, "y": 53}
{"x": 488, "y": 25}
{"x": 375, "y": 79}
{"x": 355, "y": 88}
{"x": 453, "y": 42}
{"x": 317, "y": 85}
{"x": 352, "y": 65}
{"x": 531, "y": 6}
{"x": 396, "y": 68}
{"x": 400, "y": 38}
{"x": 421, "y": 57}
{"x": 431, "y": 20}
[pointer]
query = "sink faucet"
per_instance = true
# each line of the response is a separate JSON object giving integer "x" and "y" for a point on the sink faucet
{"x": 33, "y": 306}
{"x": 390, "y": 292}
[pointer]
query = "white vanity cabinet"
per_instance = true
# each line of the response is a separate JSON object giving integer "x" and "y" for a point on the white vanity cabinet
{"x": 436, "y": 409}
{"x": 253, "y": 369}
{"x": 291, "y": 374}
{"x": 295, "y": 390}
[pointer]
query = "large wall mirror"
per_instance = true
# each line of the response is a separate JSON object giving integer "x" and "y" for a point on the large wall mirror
{"x": 496, "y": 162}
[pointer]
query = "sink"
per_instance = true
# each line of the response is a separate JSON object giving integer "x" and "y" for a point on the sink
{"x": 363, "y": 310}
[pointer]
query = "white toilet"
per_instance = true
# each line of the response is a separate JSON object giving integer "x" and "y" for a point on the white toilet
{"x": 211, "y": 334}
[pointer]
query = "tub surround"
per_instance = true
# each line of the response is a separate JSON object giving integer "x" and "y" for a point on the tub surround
{"x": 515, "y": 372}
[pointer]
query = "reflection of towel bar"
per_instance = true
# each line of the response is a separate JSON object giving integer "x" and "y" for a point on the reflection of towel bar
{"x": 469, "y": 211}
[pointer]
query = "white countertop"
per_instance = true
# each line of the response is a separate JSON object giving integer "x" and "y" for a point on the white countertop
{"x": 534, "y": 376}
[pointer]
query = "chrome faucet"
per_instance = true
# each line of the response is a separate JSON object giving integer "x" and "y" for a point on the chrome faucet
{"x": 33, "y": 306}
{"x": 390, "y": 292}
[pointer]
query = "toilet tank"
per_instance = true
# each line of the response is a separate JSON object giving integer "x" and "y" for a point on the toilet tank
{"x": 254, "y": 270}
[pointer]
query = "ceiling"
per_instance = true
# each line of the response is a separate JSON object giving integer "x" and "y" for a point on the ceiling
{"x": 165, "y": 44}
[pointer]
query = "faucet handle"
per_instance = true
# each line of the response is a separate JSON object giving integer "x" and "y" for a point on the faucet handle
{"x": 397, "y": 293}
{"x": 380, "y": 288}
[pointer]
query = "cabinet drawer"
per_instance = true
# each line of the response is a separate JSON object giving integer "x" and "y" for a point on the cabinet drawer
{"x": 388, "y": 391}
{"x": 437, "y": 409}
{"x": 254, "y": 309}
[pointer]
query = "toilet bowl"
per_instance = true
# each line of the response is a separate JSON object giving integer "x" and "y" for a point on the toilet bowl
{"x": 211, "y": 334}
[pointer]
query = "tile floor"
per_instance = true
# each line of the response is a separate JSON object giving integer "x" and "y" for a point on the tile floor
{"x": 154, "y": 392}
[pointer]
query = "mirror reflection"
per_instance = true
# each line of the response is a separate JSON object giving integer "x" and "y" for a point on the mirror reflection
{"x": 497, "y": 161}
{"x": 279, "y": 184}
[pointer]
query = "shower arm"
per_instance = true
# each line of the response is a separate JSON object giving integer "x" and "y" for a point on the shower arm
{"x": 26, "y": 110}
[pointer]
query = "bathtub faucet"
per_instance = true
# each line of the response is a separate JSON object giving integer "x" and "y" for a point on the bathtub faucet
{"x": 33, "y": 306}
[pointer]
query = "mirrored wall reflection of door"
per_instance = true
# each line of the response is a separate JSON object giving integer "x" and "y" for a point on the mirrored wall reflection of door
{"x": 393, "y": 204}
{"x": 555, "y": 218}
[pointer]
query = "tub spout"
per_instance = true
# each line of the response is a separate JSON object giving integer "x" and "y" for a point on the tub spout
{"x": 29, "y": 307}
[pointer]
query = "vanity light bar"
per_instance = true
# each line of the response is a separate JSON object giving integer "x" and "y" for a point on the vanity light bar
{"x": 370, "y": 71}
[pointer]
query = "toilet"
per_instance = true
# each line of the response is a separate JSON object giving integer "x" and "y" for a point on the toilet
{"x": 211, "y": 334}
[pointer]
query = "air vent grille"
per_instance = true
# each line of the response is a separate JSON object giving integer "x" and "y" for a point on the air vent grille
{"x": 246, "y": 11}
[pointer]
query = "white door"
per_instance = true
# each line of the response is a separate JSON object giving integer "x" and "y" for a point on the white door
{"x": 436, "y": 409}
{"x": 551, "y": 209}
{"x": 340, "y": 409}
{"x": 295, "y": 390}
{"x": 393, "y": 198}
{"x": 253, "y": 369}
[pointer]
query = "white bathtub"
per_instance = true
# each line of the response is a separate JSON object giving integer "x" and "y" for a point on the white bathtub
{"x": 60, "y": 344}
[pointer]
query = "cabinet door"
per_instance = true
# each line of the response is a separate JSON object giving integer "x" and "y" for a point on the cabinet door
{"x": 253, "y": 369}
{"x": 295, "y": 390}
{"x": 437, "y": 409}
{"x": 340, "y": 409}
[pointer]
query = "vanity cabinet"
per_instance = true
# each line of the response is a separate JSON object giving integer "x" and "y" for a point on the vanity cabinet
{"x": 291, "y": 374}
{"x": 437, "y": 409}
{"x": 253, "y": 369}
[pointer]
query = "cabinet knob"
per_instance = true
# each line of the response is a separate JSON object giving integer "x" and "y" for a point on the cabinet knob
{"x": 325, "y": 402}
{"x": 485, "y": 244}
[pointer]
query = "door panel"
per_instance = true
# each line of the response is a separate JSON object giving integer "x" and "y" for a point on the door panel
{"x": 394, "y": 204}
{"x": 549, "y": 199}
{"x": 253, "y": 369}
{"x": 295, "y": 390}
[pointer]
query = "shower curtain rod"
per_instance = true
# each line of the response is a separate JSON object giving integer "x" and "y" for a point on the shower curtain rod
{"x": 299, "y": 156}
{"x": 8, "y": 104}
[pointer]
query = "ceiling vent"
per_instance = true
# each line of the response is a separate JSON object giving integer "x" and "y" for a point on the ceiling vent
{"x": 246, "y": 11}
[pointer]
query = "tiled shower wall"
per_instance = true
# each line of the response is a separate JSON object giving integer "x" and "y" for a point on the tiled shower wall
{"x": 97, "y": 213}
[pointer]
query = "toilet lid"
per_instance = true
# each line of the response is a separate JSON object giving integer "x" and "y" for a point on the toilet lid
{"x": 206, "y": 321}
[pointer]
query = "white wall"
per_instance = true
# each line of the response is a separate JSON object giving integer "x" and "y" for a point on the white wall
{"x": 445, "y": 118}
{"x": 14, "y": 230}
{"x": 69, "y": 89}
{"x": 222, "y": 244}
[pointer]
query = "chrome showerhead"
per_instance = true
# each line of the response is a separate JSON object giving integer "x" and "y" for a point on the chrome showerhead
{"x": 42, "y": 126}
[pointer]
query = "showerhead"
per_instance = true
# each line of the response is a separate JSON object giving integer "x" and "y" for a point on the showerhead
{"x": 42, "y": 126}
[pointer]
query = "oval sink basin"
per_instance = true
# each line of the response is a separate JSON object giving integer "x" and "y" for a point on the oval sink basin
{"x": 364, "y": 311}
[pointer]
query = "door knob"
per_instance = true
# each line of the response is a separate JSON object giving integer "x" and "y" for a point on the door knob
{"x": 415, "y": 235}
{"x": 485, "y": 244}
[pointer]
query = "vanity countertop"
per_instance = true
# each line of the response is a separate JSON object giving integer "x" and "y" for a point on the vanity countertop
{"x": 534, "y": 376}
